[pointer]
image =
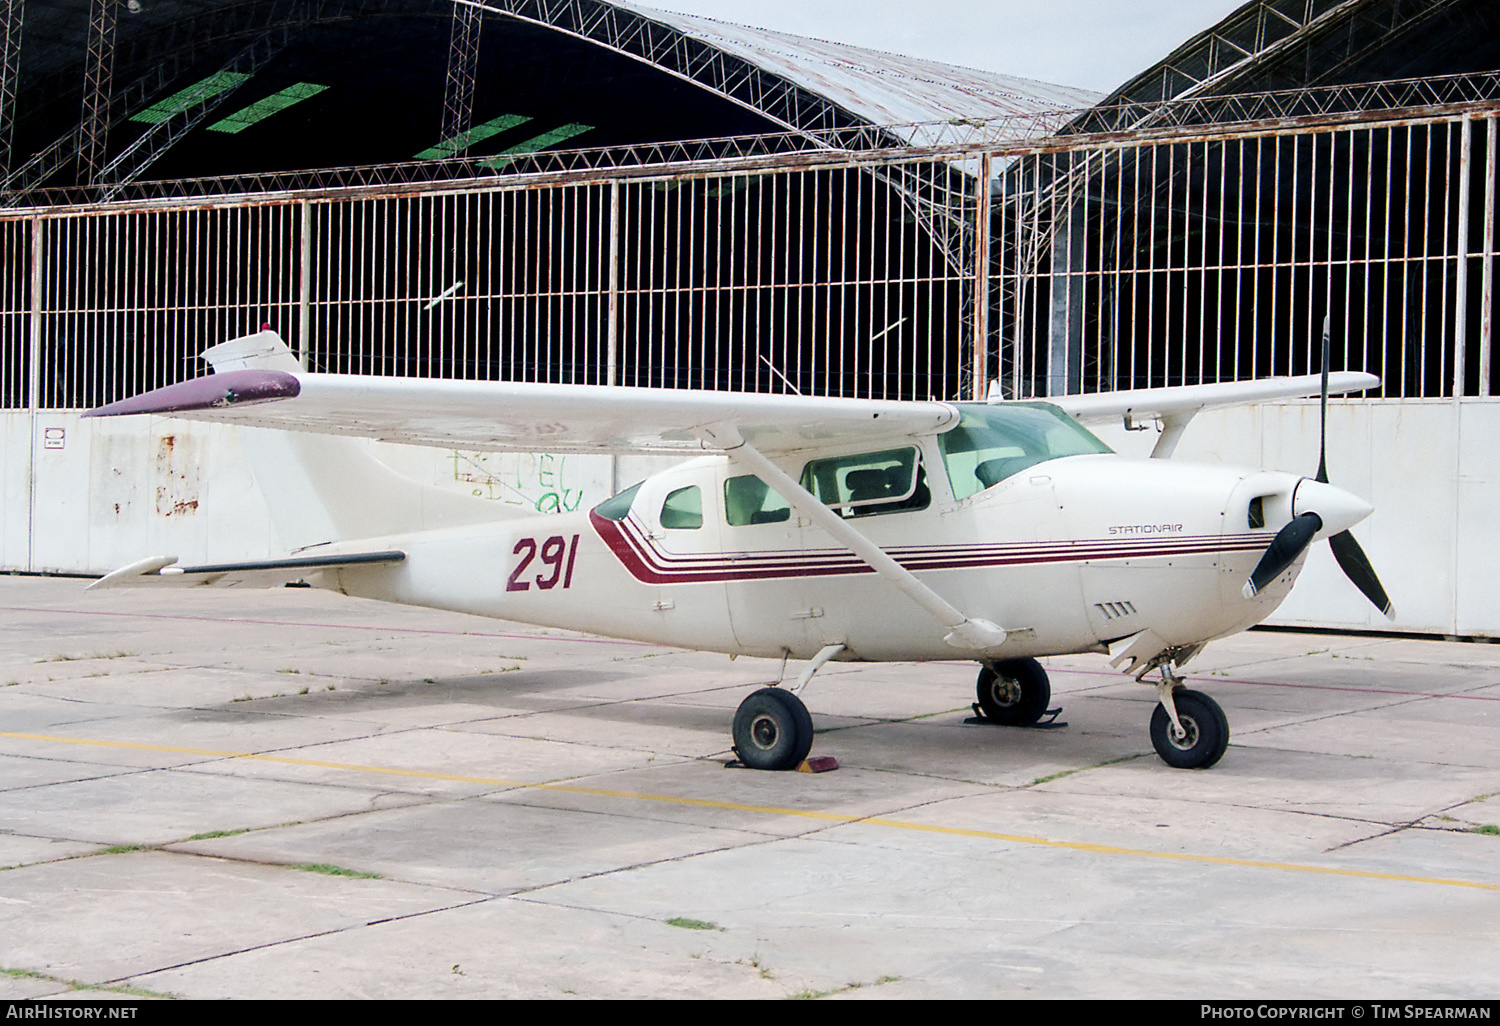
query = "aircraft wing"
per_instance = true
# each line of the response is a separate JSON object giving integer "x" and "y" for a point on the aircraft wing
{"x": 258, "y": 383}
{"x": 161, "y": 571}
{"x": 1186, "y": 400}
{"x": 496, "y": 415}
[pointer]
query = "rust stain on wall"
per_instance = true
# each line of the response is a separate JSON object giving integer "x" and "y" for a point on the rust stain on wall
{"x": 175, "y": 468}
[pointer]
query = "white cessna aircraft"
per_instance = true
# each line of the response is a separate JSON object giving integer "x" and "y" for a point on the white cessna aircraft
{"x": 812, "y": 529}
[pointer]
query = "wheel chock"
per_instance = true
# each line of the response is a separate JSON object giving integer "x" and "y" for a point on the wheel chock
{"x": 818, "y": 764}
{"x": 1050, "y": 723}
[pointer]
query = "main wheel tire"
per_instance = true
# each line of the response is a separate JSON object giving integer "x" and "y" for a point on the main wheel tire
{"x": 1206, "y": 727}
{"x": 772, "y": 730}
{"x": 1016, "y": 695}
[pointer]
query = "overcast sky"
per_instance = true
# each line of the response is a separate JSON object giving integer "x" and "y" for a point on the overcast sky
{"x": 1097, "y": 44}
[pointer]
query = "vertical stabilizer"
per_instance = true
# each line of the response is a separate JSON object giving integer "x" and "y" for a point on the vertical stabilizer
{"x": 325, "y": 488}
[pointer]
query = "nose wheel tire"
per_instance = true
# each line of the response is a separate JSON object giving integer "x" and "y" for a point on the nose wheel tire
{"x": 772, "y": 730}
{"x": 1016, "y": 693}
{"x": 1205, "y": 733}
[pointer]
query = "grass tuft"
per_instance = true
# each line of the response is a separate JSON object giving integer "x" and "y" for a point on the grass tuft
{"x": 1080, "y": 769}
{"x": 813, "y": 995}
{"x": 217, "y": 833}
{"x": 683, "y": 923}
{"x": 327, "y": 870}
{"x": 122, "y": 988}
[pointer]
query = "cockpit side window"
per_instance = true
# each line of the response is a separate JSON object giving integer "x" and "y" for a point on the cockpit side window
{"x": 683, "y": 510}
{"x": 749, "y": 500}
{"x": 994, "y": 442}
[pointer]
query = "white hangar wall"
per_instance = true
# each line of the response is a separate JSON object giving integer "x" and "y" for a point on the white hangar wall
{"x": 86, "y": 496}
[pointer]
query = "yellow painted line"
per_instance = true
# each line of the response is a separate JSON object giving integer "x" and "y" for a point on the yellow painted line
{"x": 833, "y": 817}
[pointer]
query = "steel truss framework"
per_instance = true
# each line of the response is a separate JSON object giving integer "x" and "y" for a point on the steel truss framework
{"x": 458, "y": 87}
{"x": 670, "y": 50}
{"x": 953, "y": 142}
{"x": 251, "y": 24}
{"x": 1252, "y": 41}
{"x": 98, "y": 70}
{"x": 787, "y": 262}
{"x": 12, "y": 15}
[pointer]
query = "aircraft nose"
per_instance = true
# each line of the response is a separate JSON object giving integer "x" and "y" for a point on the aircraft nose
{"x": 1339, "y": 510}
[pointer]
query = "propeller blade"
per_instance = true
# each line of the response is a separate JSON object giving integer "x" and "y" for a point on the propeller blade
{"x": 1323, "y": 422}
{"x": 1283, "y": 551}
{"x": 1356, "y": 566}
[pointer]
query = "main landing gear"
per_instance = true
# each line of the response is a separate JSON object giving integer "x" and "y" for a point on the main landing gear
{"x": 772, "y": 730}
{"x": 1013, "y": 692}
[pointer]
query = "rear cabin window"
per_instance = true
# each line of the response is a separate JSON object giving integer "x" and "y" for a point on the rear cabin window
{"x": 992, "y": 443}
{"x": 890, "y": 481}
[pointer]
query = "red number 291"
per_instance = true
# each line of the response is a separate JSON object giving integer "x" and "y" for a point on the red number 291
{"x": 552, "y": 553}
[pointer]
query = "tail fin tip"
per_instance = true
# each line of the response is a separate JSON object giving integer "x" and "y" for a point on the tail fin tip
{"x": 263, "y": 350}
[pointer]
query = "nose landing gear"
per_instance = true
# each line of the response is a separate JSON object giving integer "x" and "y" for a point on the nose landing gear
{"x": 1188, "y": 729}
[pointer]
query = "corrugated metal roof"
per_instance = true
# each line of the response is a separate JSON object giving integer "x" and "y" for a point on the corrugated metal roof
{"x": 883, "y": 88}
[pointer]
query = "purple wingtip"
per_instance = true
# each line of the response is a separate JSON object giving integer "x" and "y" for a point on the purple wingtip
{"x": 216, "y": 391}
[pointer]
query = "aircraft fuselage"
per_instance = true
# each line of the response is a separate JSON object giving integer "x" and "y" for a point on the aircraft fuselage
{"x": 1067, "y": 555}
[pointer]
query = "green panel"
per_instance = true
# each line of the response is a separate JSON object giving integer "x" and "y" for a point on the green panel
{"x": 456, "y": 145}
{"x": 213, "y": 85}
{"x": 262, "y": 109}
{"x": 536, "y": 143}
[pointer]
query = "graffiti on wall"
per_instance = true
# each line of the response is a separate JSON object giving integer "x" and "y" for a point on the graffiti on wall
{"x": 544, "y": 482}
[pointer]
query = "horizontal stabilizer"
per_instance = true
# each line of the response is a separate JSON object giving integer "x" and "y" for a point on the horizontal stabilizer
{"x": 162, "y": 571}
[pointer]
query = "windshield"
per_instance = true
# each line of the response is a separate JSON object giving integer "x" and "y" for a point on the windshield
{"x": 994, "y": 442}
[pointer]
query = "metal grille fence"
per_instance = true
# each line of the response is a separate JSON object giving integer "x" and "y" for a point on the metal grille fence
{"x": 15, "y": 320}
{"x": 1219, "y": 259}
{"x": 1100, "y": 265}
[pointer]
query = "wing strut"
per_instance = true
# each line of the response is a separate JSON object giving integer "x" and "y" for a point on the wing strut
{"x": 966, "y": 633}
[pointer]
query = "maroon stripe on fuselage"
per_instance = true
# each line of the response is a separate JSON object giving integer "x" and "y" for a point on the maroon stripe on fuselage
{"x": 649, "y": 564}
